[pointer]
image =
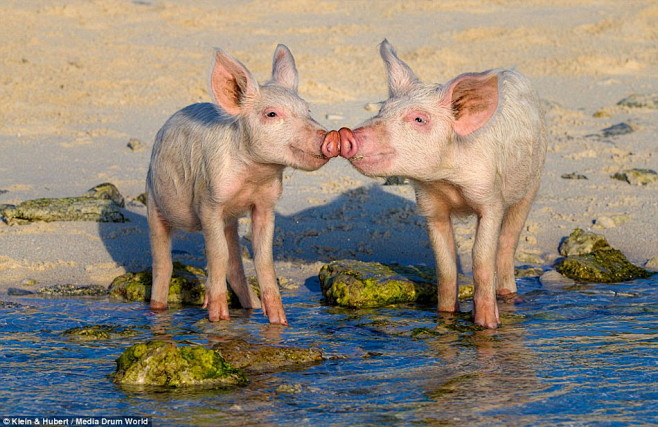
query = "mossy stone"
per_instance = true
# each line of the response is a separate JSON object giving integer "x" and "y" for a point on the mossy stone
{"x": 601, "y": 266}
{"x": 357, "y": 284}
{"x": 590, "y": 258}
{"x": 101, "y": 203}
{"x": 265, "y": 358}
{"x": 186, "y": 287}
{"x": 67, "y": 290}
{"x": 99, "y": 332}
{"x": 581, "y": 242}
{"x": 164, "y": 364}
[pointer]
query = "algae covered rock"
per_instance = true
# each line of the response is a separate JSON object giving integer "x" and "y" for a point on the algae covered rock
{"x": 581, "y": 242}
{"x": 357, "y": 284}
{"x": 66, "y": 290}
{"x": 265, "y": 358}
{"x": 186, "y": 285}
{"x": 636, "y": 176}
{"x": 102, "y": 203}
{"x": 99, "y": 332}
{"x": 594, "y": 261}
{"x": 165, "y": 364}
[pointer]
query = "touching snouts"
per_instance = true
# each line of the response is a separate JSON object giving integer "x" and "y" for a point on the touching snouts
{"x": 339, "y": 143}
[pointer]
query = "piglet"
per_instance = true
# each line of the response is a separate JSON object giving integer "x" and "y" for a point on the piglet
{"x": 214, "y": 162}
{"x": 475, "y": 145}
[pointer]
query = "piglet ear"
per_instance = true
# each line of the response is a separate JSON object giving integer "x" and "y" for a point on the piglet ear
{"x": 284, "y": 71}
{"x": 473, "y": 98}
{"x": 231, "y": 83}
{"x": 400, "y": 77}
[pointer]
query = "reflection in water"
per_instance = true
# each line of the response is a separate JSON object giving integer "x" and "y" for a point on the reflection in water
{"x": 582, "y": 355}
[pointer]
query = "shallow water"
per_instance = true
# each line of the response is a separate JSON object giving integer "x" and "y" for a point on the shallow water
{"x": 580, "y": 356}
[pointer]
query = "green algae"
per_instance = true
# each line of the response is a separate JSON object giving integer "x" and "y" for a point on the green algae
{"x": 101, "y": 203}
{"x": 67, "y": 290}
{"x": 357, "y": 284}
{"x": 255, "y": 357}
{"x": 186, "y": 287}
{"x": 98, "y": 332}
{"x": 581, "y": 242}
{"x": 165, "y": 364}
{"x": 601, "y": 266}
{"x": 590, "y": 259}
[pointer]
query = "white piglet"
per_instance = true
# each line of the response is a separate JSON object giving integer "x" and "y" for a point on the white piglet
{"x": 214, "y": 162}
{"x": 475, "y": 145}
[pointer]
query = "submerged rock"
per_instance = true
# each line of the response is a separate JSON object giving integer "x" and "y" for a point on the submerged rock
{"x": 357, "y": 284}
{"x": 66, "y": 290}
{"x": 102, "y": 203}
{"x": 589, "y": 258}
{"x": 99, "y": 332}
{"x": 265, "y": 358}
{"x": 638, "y": 100}
{"x": 636, "y": 176}
{"x": 165, "y": 364}
{"x": 187, "y": 286}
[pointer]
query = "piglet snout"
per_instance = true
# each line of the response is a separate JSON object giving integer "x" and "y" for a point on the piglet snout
{"x": 331, "y": 144}
{"x": 348, "y": 146}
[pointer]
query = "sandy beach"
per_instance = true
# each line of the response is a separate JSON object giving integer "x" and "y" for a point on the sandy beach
{"x": 81, "y": 78}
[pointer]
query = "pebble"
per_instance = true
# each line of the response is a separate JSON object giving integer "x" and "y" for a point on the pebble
{"x": 640, "y": 101}
{"x": 334, "y": 117}
{"x": 371, "y": 106}
{"x": 636, "y": 176}
{"x": 136, "y": 145}
{"x": 618, "y": 129}
{"x": 573, "y": 175}
{"x": 604, "y": 222}
{"x": 652, "y": 264}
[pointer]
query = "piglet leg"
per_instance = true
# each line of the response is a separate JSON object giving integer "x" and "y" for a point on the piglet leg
{"x": 262, "y": 219}
{"x": 485, "y": 308}
{"x": 161, "y": 253}
{"x": 236, "y": 277}
{"x": 513, "y": 221}
{"x": 217, "y": 255}
{"x": 441, "y": 235}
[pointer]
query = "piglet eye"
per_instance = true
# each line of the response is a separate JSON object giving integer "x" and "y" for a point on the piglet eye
{"x": 419, "y": 120}
{"x": 271, "y": 114}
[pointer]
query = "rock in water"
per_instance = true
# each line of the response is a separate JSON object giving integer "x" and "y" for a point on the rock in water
{"x": 165, "y": 364}
{"x": 357, "y": 284}
{"x": 589, "y": 258}
{"x": 187, "y": 286}
{"x": 102, "y": 203}
{"x": 66, "y": 290}
{"x": 99, "y": 332}
{"x": 265, "y": 358}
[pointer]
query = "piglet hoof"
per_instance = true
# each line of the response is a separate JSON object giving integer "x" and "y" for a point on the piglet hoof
{"x": 486, "y": 316}
{"x": 273, "y": 310}
{"x": 348, "y": 146}
{"x": 158, "y": 306}
{"x": 217, "y": 307}
{"x": 331, "y": 144}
